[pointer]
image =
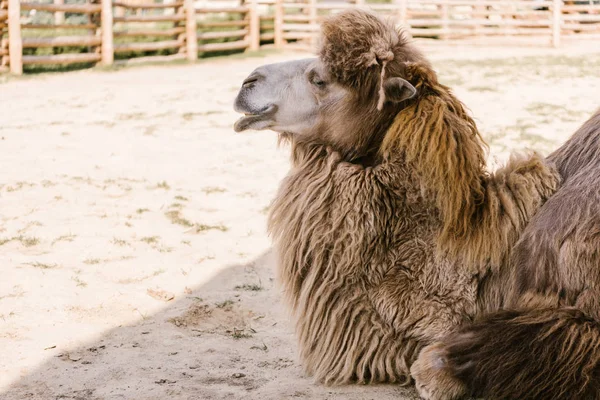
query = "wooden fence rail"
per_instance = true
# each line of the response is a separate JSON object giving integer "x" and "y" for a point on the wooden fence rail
{"x": 132, "y": 31}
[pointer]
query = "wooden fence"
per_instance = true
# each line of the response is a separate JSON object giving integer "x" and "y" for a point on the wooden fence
{"x": 106, "y": 32}
{"x": 3, "y": 36}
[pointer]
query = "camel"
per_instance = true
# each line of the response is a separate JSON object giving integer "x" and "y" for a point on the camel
{"x": 400, "y": 256}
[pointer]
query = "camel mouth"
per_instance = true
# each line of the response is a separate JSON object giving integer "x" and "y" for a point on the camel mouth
{"x": 256, "y": 120}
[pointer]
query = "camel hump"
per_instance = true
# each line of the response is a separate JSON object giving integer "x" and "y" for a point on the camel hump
{"x": 558, "y": 249}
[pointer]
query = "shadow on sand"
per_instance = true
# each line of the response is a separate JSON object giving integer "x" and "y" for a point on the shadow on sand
{"x": 224, "y": 340}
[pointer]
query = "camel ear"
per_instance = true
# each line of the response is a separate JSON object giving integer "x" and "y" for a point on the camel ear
{"x": 398, "y": 89}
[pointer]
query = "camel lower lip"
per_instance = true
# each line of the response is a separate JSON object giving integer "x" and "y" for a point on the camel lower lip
{"x": 255, "y": 121}
{"x": 247, "y": 122}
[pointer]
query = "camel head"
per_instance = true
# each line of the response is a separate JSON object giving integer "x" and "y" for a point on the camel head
{"x": 371, "y": 97}
{"x": 346, "y": 98}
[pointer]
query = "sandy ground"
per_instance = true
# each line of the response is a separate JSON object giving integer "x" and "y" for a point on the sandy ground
{"x": 134, "y": 258}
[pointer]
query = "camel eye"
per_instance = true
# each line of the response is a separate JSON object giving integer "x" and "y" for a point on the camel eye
{"x": 318, "y": 83}
{"x": 315, "y": 80}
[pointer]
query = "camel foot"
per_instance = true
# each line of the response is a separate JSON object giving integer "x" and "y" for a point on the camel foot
{"x": 432, "y": 377}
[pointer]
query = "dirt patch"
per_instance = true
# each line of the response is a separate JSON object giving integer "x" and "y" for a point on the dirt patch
{"x": 226, "y": 318}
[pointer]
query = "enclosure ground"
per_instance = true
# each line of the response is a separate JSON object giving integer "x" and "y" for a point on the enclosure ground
{"x": 135, "y": 259}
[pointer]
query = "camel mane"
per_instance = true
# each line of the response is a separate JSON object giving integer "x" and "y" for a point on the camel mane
{"x": 481, "y": 213}
{"x": 442, "y": 142}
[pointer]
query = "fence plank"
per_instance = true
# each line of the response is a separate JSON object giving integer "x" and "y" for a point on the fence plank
{"x": 220, "y": 24}
{"x": 241, "y": 10}
{"x": 151, "y": 18}
{"x": 485, "y": 22}
{"x": 278, "y": 22}
{"x": 297, "y": 18}
{"x": 586, "y": 36}
{"x": 191, "y": 31}
{"x": 150, "y": 32}
{"x": 107, "y": 50}
{"x": 580, "y": 27}
{"x": 445, "y": 8}
{"x": 254, "y": 32}
{"x": 298, "y": 35}
{"x": 301, "y": 27}
{"x": 587, "y": 7}
{"x": 402, "y": 10}
{"x": 62, "y": 59}
{"x": 29, "y": 43}
{"x": 312, "y": 12}
{"x": 58, "y": 27}
{"x": 148, "y": 46}
{"x": 151, "y": 59}
{"x": 175, "y": 4}
{"x": 582, "y": 17}
{"x": 70, "y": 8}
{"x": 15, "y": 44}
{"x": 240, "y": 44}
{"x": 491, "y": 3}
{"x": 222, "y": 35}
{"x": 556, "y": 13}
{"x": 59, "y": 17}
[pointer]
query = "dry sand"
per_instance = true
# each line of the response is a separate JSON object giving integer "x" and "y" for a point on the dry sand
{"x": 134, "y": 258}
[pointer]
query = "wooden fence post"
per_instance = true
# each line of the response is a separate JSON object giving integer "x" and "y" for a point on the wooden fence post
{"x": 445, "y": 17}
{"x": 254, "y": 34}
{"x": 402, "y": 12}
{"x": 556, "y": 20}
{"x": 278, "y": 24}
{"x": 59, "y": 16}
{"x": 191, "y": 31}
{"x": 15, "y": 43}
{"x": 479, "y": 11}
{"x": 108, "y": 55}
{"x": 170, "y": 11}
{"x": 312, "y": 15}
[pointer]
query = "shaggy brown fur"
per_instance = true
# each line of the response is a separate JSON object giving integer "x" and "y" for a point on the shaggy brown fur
{"x": 560, "y": 249}
{"x": 379, "y": 259}
{"x": 441, "y": 142}
{"x": 528, "y": 355}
